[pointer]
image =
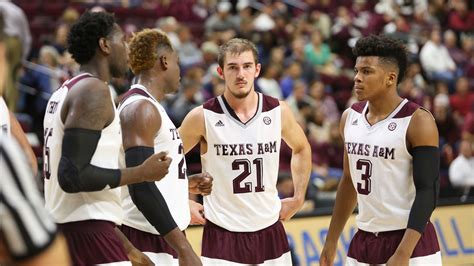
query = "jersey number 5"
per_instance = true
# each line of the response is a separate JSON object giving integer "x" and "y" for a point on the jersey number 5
{"x": 364, "y": 188}
{"x": 247, "y": 170}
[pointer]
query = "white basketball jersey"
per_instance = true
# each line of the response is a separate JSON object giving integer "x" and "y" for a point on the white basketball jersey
{"x": 174, "y": 186}
{"x": 70, "y": 207}
{"x": 381, "y": 167}
{"x": 243, "y": 159}
{"x": 4, "y": 118}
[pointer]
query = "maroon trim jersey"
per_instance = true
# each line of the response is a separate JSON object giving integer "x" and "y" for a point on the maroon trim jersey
{"x": 381, "y": 167}
{"x": 243, "y": 159}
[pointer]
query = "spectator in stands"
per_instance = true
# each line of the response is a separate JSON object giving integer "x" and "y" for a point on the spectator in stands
{"x": 468, "y": 127}
{"x": 462, "y": 168}
{"x": 18, "y": 44}
{"x": 189, "y": 53}
{"x": 170, "y": 26}
{"x": 41, "y": 79}
{"x": 436, "y": 61}
{"x": 268, "y": 83}
{"x": 462, "y": 100}
{"x": 461, "y": 19}
{"x": 321, "y": 22}
{"x": 185, "y": 102}
{"x": 287, "y": 83}
{"x": 328, "y": 106}
{"x": 318, "y": 53}
{"x": 222, "y": 20}
{"x": 457, "y": 54}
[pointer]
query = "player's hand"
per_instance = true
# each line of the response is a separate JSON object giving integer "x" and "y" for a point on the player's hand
{"x": 189, "y": 258}
{"x": 200, "y": 184}
{"x": 138, "y": 258}
{"x": 398, "y": 259}
{"x": 156, "y": 167}
{"x": 327, "y": 255}
{"x": 289, "y": 207}
{"x": 197, "y": 212}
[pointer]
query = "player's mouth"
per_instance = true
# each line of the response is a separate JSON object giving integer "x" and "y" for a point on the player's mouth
{"x": 358, "y": 88}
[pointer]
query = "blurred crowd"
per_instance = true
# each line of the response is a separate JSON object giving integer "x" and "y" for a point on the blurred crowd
{"x": 305, "y": 52}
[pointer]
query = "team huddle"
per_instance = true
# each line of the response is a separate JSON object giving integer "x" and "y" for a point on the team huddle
{"x": 116, "y": 182}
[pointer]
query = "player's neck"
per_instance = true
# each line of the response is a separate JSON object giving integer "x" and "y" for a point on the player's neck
{"x": 383, "y": 106}
{"x": 152, "y": 85}
{"x": 98, "y": 69}
{"x": 243, "y": 106}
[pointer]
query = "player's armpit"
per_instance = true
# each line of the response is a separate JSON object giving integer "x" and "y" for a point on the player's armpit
{"x": 192, "y": 129}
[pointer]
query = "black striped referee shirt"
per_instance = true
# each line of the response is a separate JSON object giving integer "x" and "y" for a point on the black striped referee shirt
{"x": 25, "y": 226}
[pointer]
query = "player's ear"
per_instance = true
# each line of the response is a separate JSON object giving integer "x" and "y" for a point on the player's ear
{"x": 163, "y": 62}
{"x": 392, "y": 78}
{"x": 258, "y": 67}
{"x": 104, "y": 45}
{"x": 220, "y": 72}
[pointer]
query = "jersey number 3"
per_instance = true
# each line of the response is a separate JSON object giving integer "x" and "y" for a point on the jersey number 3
{"x": 238, "y": 164}
{"x": 366, "y": 166}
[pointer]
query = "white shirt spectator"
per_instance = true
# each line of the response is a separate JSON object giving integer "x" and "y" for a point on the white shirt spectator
{"x": 436, "y": 58}
{"x": 461, "y": 171}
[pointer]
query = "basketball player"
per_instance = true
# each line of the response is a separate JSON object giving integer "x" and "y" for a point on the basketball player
{"x": 240, "y": 133}
{"x": 156, "y": 212}
{"x": 391, "y": 166}
{"x": 82, "y": 143}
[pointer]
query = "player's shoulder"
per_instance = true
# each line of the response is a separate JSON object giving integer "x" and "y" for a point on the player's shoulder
{"x": 410, "y": 109}
{"x": 357, "y": 107}
{"x": 269, "y": 103}
{"x": 212, "y": 105}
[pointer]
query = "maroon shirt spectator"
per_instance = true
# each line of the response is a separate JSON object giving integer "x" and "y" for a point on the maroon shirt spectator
{"x": 461, "y": 18}
{"x": 461, "y": 102}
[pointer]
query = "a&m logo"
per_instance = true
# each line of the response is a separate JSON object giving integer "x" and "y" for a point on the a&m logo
{"x": 267, "y": 120}
{"x": 392, "y": 126}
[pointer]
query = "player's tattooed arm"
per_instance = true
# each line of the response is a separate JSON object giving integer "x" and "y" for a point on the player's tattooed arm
{"x": 88, "y": 109}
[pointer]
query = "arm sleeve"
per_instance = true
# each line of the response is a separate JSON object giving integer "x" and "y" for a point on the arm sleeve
{"x": 75, "y": 172}
{"x": 426, "y": 179}
{"x": 146, "y": 196}
{"x": 25, "y": 228}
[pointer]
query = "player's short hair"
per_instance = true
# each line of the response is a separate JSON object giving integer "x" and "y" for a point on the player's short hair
{"x": 144, "y": 47}
{"x": 388, "y": 50}
{"x": 84, "y": 35}
{"x": 236, "y": 46}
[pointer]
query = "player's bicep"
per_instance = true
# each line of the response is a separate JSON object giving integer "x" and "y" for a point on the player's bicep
{"x": 192, "y": 128}
{"x": 88, "y": 106}
{"x": 422, "y": 130}
{"x": 140, "y": 122}
{"x": 291, "y": 132}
